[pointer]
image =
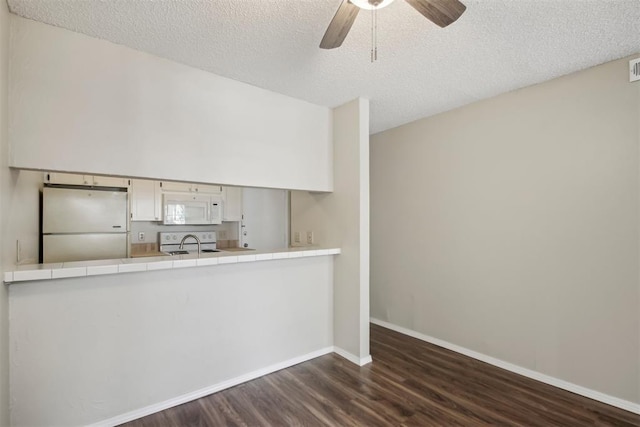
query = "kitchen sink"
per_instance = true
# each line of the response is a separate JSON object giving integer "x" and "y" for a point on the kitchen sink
{"x": 178, "y": 252}
{"x": 186, "y": 252}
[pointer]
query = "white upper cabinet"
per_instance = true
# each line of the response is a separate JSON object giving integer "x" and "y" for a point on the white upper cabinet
{"x": 189, "y": 187}
{"x": 176, "y": 186}
{"x": 64, "y": 178}
{"x": 232, "y": 203}
{"x": 146, "y": 200}
{"x": 145, "y": 195}
{"x": 107, "y": 181}
{"x": 88, "y": 180}
{"x": 208, "y": 188}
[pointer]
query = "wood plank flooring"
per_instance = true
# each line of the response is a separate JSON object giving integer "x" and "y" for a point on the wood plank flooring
{"x": 410, "y": 383}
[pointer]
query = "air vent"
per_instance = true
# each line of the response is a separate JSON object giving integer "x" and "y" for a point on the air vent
{"x": 634, "y": 70}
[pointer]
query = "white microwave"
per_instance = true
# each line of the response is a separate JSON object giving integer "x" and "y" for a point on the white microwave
{"x": 190, "y": 209}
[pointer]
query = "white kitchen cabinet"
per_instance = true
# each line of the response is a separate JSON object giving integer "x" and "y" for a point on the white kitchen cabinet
{"x": 208, "y": 188}
{"x": 189, "y": 187}
{"x": 107, "y": 181}
{"x": 232, "y": 203}
{"x": 88, "y": 180}
{"x": 146, "y": 200}
{"x": 64, "y": 178}
{"x": 176, "y": 186}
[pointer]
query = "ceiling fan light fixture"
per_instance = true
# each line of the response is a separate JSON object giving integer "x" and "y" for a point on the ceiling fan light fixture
{"x": 371, "y": 4}
{"x": 440, "y": 12}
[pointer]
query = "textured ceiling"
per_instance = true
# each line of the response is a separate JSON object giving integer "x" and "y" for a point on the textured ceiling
{"x": 495, "y": 47}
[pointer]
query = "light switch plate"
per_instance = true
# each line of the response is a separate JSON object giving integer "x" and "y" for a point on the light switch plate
{"x": 634, "y": 70}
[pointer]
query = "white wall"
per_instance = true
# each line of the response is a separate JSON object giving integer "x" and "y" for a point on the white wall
{"x": 20, "y": 241}
{"x": 510, "y": 227}
{"x": 86, "y": 105}
{"x": 265, "y": 218}
{"x": 341, "y": 219}
{"x": 4, "y": 191}
{"x": 89, "y": 349}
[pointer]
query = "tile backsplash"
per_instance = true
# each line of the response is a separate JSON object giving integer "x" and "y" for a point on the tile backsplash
{"x": 224, "y": 231}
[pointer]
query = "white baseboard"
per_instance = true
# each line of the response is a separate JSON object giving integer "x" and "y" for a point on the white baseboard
{"x": 547, "y": 379}
{"x": 152, "y": 409}
{"x": 360, "y": 361}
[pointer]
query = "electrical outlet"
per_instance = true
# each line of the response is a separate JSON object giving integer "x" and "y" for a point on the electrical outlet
{"x": 296, "y": 237}
{"x": 222, "y": 234}
{"x": 309, "y": 237}
{"x": 141, "y": 236}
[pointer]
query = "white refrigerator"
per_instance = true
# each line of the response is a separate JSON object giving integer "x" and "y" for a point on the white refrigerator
{"x": 84, "y": 224}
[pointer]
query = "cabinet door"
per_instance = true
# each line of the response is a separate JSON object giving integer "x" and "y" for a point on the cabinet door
{"x": 232, "y": 198}
{"x": 176, "y": 186}
{"x": 146, "y": 201}
{"x": 110, "y": 181}
{"x": 88, "y": 180}
{"x": 207, "y": 188}
{"x": 65, "y": 178}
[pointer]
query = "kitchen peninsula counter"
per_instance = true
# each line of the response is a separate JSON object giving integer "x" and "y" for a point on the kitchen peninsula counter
{"x": 26, "y": 273}
{"x": 236, "y": 249}
{"x": 167, "y": 330}
{"x": 148, "y": 254}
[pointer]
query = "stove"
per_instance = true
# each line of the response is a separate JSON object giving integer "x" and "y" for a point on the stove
{"x": 170, "y": 242}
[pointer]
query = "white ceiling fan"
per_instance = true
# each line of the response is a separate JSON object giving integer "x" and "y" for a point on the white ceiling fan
{"x": 440, "y": 12}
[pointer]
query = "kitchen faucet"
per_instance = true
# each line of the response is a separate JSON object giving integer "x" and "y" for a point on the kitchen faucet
{"x": 186, "y": 237}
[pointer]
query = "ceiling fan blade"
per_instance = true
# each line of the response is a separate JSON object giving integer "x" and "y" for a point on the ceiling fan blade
{"x": 340, "y": 25}
{"x": 440, "y": 12}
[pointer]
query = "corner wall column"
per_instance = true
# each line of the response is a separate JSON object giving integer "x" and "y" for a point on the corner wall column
{"x": 341, "y": 218}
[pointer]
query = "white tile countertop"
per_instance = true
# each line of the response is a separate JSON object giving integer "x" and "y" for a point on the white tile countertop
{"x": 25, "y": 273}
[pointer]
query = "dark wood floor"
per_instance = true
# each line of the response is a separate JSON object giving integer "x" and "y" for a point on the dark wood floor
{"x": 409, "y": 383}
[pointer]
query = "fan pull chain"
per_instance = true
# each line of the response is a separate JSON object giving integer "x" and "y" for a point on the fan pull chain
{"x": 372, "y": 39}
{"x": 374, "y": 34}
